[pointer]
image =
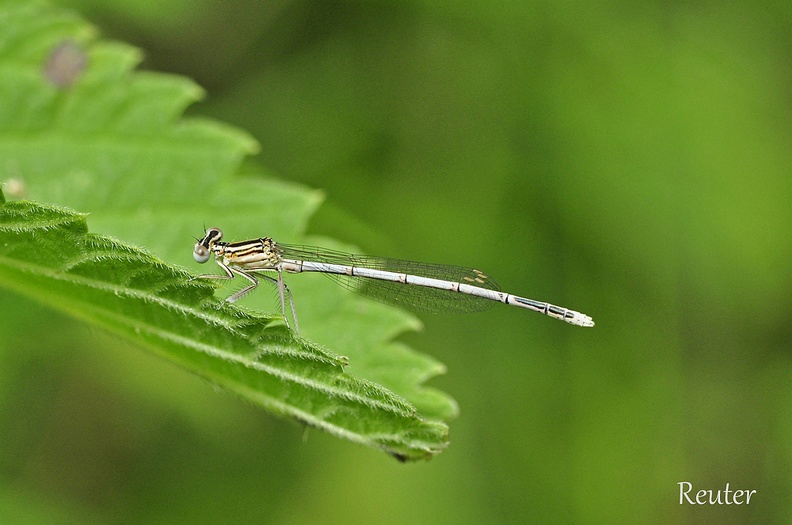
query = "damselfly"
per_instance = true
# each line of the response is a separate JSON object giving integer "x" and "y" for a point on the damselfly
{"x": 415, "y": 285}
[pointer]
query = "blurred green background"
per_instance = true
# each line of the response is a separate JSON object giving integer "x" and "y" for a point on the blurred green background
{"x": 628, "y": 160}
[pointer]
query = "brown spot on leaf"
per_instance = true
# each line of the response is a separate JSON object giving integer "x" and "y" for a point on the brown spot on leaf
{"x": 65, "y": 65}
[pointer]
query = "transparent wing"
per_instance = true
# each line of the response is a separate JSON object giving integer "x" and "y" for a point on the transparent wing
{"x": 417, "y": 298}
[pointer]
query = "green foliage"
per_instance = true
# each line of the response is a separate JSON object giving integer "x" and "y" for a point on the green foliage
{"x": 627, "y": 159}
{"x": 48, "y": 254}
{"x": 82, "y": 129}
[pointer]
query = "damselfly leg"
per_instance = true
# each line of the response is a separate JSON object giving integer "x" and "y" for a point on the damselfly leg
{"x": 283, "y": 289}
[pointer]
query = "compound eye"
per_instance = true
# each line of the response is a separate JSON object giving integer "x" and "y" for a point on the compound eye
{"x": 200, "y": 253}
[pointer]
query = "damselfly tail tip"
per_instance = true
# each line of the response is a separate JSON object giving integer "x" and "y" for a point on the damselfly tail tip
{"x": 579, "y": 319}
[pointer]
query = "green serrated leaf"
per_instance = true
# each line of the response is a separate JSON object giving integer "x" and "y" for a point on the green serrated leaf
{"x": 96, "y": 135}
{"x": 47, "y": 253}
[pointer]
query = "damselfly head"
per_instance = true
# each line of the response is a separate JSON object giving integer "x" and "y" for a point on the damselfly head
{"x": 203, "y": 248}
